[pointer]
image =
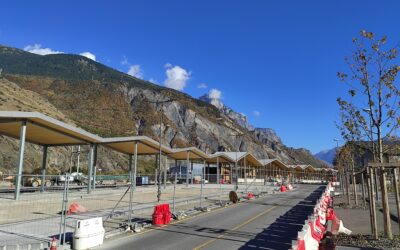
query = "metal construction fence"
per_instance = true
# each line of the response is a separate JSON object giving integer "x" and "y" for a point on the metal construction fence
{"x": 52, "y": 211}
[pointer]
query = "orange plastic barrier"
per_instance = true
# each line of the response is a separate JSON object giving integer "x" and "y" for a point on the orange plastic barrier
{"x": 75, "y": 208}
{"x": 161, "y": 215}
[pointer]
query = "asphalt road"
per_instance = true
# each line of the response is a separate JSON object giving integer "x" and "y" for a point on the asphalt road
{"x": 271, "y": 222}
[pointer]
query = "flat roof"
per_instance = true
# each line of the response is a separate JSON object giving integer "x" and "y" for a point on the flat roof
{"x": 126, "y": 145}
{"x": 194, "y": 154}
{"x": 243, "y": 155}
{"x": 267, "y": 162}
{"x": 44, "y": 130}
{"x": 222, "y": 158}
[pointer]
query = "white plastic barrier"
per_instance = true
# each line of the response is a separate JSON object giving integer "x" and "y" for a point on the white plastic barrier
{"x": 88, "y": 233}
{"x": 249, "y": 180}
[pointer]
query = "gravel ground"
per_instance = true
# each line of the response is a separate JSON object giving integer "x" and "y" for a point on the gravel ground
{"x": 367, "y": 241}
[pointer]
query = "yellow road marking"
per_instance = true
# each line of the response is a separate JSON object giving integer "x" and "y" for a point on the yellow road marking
{"x": 234, "y": 228}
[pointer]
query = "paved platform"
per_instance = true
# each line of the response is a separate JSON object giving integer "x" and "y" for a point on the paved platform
{"x": 35, "y": 218}
{"x": 271, "y": 222}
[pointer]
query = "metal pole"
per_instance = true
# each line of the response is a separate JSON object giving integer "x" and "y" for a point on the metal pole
{"x": 245, "y": 171}
{"x": 44, "y": 163}
{"x": 130, "y": 190}
{"x": 396, "y": 191}
{"x": 20, "y": 159}
{"x": 66, "y": 204}
{"x": 63, "y": 211}
{"x": 187, "y": 168}
{"x": 173, "y": 196}
{"x": 79, "y": 156}
{"x": 202, "y": 182}
{"x": 90, "y": 166}
{"x": 165, "y": 172}
{"x": 218, "y": 172}
{"x": 135, "y": 165}
{"x": 237, "y": 174}
{"x": 94, "y": 166}
{"x": 159, "y": 158}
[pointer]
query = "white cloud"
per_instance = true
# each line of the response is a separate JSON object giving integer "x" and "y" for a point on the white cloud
{"x": 88, "y": 55}
{"x": 215, "y": 94}
{"x": 177, "y": 77}
{"x": 37, "y": 49}
{"x": 256, "y": 113}
{"x": 202, "y": 86}
{"x": 136, "y": 71}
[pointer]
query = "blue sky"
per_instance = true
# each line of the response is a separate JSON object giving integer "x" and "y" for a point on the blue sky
{"x": 278, "y": 58}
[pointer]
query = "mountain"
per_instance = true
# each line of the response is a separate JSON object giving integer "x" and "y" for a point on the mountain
{"x": 110, "y": 103}
{"x": 266, "y": 136}
{"x": 327, "y": 155}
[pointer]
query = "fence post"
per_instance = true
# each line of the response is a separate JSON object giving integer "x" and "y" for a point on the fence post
{"x": 396, "y": 190}
{"x": 202, "y": 183}
{"x": 374, "y": 228}
{"x": 165, "y": 172}
{"x": 363, "y": 188}
{"x": 130, "y": 190}
{"x": 385, "y": 206}
{"x": 173, "y": 196}
{"x": 347, "y": 188}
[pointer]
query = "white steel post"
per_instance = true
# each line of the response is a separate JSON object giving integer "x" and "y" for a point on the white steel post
{"x": 20, "y": 159}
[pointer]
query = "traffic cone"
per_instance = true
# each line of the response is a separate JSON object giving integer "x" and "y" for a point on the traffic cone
{"x": 53, "y": 244}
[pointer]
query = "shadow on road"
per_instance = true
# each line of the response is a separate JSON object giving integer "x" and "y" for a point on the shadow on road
{"x": 279, "y": 235}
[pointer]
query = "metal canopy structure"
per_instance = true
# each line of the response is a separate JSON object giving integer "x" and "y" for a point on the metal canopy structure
{"x": 268, "y": 162}
{"x": 185, "y": 153}
{"x": 146, "y": 145}
{"x": 220, "y": 158}
{"x": 43, "y": 130}
{"x": 244, "y": 156}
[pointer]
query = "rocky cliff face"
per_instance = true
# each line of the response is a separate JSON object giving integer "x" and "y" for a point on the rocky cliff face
{"x": 110, "y": 103}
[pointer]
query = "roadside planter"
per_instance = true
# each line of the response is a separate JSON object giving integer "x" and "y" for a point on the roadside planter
{"x": 88, "y": 233}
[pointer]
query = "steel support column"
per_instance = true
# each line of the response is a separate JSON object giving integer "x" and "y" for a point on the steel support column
{"x": 187, "y": 168}
{"x": 44, "y": 164}
{"x": 218, "y": 171}
{"x": 20, "y": 159}
{"x": 165, "y": 172}
{"x": 94, "y": 166}
{"x": 90, "y": 168}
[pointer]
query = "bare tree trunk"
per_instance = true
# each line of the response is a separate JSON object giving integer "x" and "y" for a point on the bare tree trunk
{"x": 385, "y": 202}
{"x": 363, "y": 189}
{"x": 347, "y": 188}
{"x": 354, "y": 183}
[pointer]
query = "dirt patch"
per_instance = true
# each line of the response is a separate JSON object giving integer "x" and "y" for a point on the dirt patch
{"x": 367, "y": 241}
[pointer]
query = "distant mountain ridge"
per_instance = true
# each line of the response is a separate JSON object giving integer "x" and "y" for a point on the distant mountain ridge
{"x": 327, "y": 155}
{"x": 107, "y": 102}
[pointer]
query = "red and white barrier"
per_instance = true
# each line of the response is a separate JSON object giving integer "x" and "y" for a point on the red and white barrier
{"x": 315, "y": 227}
